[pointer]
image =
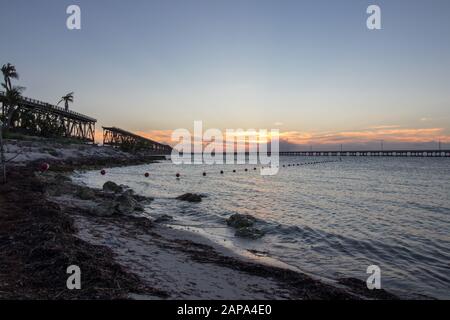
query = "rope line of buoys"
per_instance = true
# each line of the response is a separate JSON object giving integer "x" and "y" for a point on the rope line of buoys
{"x": 45, "y": 167}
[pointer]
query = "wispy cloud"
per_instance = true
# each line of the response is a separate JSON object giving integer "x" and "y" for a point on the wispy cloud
{"x": 163, "y": 136}
{"x": 387, "y": 133}
{"x": 385, "y": 126}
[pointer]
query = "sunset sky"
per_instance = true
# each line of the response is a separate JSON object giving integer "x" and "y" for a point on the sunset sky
{"x": 309, "y": 68}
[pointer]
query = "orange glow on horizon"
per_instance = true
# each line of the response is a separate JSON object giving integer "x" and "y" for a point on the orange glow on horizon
{"x": 373, "y": 134}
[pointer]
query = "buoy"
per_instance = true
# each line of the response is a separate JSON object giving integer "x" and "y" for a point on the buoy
{"x": 254, "y": 168}
{"x": 284, "y": 166}
{"x": 234, "y": 170}
{"x": 146, "y": 174}
{"x": 103, "y": 172}
{"x": 177, "y": 175}
{"x": 221, "y": 171}
{"x": 246, "y": 169}
{"x": 44, "y": 167}
{"x": 204, "y": 174}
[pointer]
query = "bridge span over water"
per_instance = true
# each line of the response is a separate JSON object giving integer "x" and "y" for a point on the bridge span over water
{"x": 116, "y": 137}
{"x": 369, "y": 153}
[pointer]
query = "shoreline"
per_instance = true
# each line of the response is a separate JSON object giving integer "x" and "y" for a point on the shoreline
{"x": 126, "y": 256}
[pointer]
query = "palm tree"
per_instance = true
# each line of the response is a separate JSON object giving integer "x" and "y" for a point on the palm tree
{"x": 12, "y": 94}
{"x": 9, "y": 72}
{"x": 2, "y": 154}
{"x": 11, "y": 100}
{"x": 67, "y": 98}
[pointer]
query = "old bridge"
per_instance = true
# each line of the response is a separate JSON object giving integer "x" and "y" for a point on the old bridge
{"x": 39, "y": 118}
{"x": 129, "y": 141}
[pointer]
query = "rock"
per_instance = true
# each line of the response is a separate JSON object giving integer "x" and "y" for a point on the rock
{"x": 86, "y": 193}
{"x": 139, "y": 207}
{"x": 110, "y": 186}
{"x": 142, "y": 222}
{"x": 190, "y": 197}
{"x": 126, "y": 188}
{"x": 60, "y": 178}
{"x": 103, "y": 210}
{"x": 163, "y": 218}
{"x": 125, "y": 204}
{"x": 241, "y": 221}
{"x": 136, "y": 197}
{"x": 140, "y": 198}
{"x": 107, "y": 195}
{"x": 249, "y": 232}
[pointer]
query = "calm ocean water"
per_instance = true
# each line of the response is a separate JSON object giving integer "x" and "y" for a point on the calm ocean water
{"x": 330, "y": 219}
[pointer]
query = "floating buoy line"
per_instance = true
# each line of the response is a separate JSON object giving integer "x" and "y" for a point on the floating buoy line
{"x": 221, "y": 172}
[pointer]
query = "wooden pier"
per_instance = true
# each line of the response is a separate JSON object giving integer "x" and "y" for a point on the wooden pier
{"x": 376, "y": 153}
{"x": 39, "y": 118}
{"x": 129, "y": 141}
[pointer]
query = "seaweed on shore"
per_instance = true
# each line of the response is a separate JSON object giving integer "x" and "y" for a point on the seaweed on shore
{"x": 38, "y": 243}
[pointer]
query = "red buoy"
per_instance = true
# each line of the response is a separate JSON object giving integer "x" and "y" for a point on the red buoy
{"x": 44, "y": 167}
{"x": 103, "y": 172}
{"x": 146, "y": 174}
{"x": 177, "y": 175}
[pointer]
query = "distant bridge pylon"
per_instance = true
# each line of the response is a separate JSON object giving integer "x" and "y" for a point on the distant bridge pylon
{"x": 129, "y": 141}
{"x": 44, "y": 119}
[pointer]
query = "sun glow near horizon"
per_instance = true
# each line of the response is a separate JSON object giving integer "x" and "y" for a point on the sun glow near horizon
{"x": 400, "y": 137}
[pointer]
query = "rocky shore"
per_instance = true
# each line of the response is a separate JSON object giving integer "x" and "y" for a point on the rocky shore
{"x": 48, "y": 223}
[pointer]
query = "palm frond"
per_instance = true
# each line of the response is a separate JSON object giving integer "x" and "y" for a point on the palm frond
{"x": 9, "y": 71}
{"x": 68, "y": 97}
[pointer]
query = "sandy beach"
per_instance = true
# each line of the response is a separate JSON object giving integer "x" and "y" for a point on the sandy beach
{"x": 49, "y": 223}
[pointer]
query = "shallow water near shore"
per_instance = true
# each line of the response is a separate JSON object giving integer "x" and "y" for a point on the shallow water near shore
{"x": 330, "y": 219}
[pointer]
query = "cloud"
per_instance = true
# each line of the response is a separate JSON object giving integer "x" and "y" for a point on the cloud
{"x": 392, "y": 134}
{"x": 385, "y": 126}
{"x": 162, "y": 136}
{"x": 403, "y": 135}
